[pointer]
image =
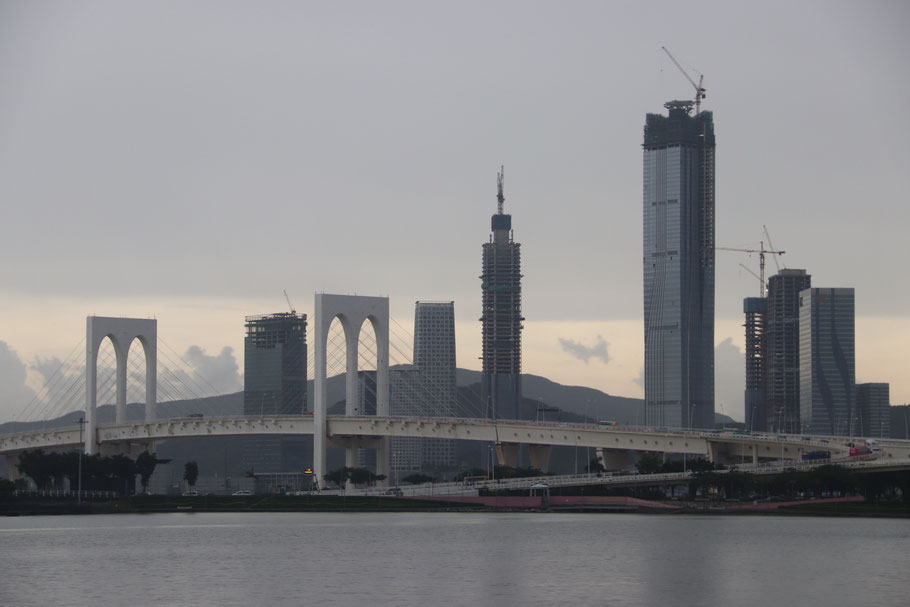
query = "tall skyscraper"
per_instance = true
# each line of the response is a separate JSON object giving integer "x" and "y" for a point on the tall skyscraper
{"x": 434, "y": 357}
{"x": 873, "y": 410}
{"x": 755, "y": 309}
{"x": 827, "y": 363}
{"x": 501, "y": 319}
{"x": 274, "y": 378}
{"x": 679, "y": 267}
{"x": 781, "y": 350}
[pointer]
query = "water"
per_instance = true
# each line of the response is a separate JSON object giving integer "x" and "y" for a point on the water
{"x": 452, "y": 559}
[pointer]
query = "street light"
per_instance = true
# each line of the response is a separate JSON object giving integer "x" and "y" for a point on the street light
{"x": 752, "y": 422}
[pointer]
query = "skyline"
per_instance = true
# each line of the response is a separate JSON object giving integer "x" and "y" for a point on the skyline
{"x": 134, "y": 173}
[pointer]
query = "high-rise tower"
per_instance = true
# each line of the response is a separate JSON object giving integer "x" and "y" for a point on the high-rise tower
{"x": 781, "y": 351}
{"x": 679, "y": 267}
{"x": 827, "y": 361}
{"x": 501, "y": 320}
{"x": 275, "y": 383}
{"x": 434, "y": 357}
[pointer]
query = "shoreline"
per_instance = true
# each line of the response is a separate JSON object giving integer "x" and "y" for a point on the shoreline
{"x": 854, "y": 506}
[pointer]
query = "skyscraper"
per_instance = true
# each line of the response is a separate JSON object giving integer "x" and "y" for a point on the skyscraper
{"x": 274, "y": 378}
{"x": 501, "y": 319}
{"x": 827, "y": 364}
{"x": 781, "y": 350}
{"x": 274, "y": 369}
{"x": 756, "y": 310}
{"x": 679, "y": 267}
{"x": 873, "y": 410}
{"x": 434, "y": 357}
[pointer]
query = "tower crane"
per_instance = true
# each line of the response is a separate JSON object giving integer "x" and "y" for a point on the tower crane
{"x": 699, "y": 89}
{"x": 762, "y": 251}
{"x": 290, "y": 305}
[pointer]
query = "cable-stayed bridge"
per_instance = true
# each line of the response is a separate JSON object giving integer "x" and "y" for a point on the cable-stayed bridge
{"x": 350, "y": 314}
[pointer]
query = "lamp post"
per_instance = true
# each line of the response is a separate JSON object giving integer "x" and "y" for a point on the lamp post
{"x": 752, "y": 422}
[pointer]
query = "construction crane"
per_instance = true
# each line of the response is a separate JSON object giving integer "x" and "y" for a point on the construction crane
{"x": 770, "y": 244}
{"x": 762, "y": 251}
{"x": 290, "y": 305}
{"x": 699, "y": 89}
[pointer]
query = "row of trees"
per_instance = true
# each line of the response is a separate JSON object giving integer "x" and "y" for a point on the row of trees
{"x": 815, "y": 482}
{"x": 99, "y": 472}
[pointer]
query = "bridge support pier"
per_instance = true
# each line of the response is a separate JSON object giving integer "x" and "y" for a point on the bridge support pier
{"x": 351, "y": 444}
{"x": 540, "y": 456}
{"x": 507, "y": 454}
{"x": 617, "y": 459}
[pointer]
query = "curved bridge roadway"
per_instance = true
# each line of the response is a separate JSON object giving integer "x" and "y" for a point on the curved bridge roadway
{"x": 613, "y": 443}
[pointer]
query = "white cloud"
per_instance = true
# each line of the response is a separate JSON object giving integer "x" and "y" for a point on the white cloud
{"x": 586, "y": 353}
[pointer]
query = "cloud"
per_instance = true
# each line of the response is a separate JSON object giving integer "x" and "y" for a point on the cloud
{"x": 14, "y": 392}
{"x": 220, "y": 371}
{"x": 585, "y": 353}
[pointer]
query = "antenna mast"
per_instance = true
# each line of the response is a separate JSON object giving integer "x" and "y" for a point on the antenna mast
{"x": 500, "y": 199}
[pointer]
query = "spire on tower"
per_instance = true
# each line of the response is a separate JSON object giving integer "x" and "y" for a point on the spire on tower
{"x": 500, "y": 199}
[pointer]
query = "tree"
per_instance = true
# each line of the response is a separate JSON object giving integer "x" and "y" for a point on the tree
{"x": 191, "y": 473}
{"x": 37, "y": 466}
{"x": 145, "y": 467}
{"x": 339, "y": 476}
{"x": 649, "y": 463}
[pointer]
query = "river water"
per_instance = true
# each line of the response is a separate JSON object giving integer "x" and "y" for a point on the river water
{"x": 452, "y": 559}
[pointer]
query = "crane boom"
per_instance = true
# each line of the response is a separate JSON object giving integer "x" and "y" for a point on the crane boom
{"x": 762, "y": 251}
{"x": 770, "y": 244}
{"x": 699, "y": 89}
{"x": 290, "y": 305}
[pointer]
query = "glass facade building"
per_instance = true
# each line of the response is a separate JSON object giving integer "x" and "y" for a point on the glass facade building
{"x": 274, "y": 383}
{"x": 827, "y": 361}
{"x": 434, "y": 357}
{"x": 873, "y": 410}
{"x": 678, "y": 265}
{"x": 780, "y": 401}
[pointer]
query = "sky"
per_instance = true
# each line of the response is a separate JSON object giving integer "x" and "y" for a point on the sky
{"x": 191, "y": 161}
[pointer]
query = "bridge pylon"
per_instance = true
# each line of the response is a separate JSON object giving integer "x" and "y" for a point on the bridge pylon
{"x": 122, "y": 332}
{"x": 352, "y": 311}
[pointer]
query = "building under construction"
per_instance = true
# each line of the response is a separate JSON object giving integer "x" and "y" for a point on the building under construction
{"x": 772, "y": 353}
{"x": 756, "y": 309}
{"x": 501, "y": 319}
{"x": 275, "y": 383}
{"x": 781, "y": 351}
{"x": 678, "y": 264}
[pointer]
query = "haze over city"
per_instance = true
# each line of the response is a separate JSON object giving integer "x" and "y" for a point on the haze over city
{"x": 192, "y": 162}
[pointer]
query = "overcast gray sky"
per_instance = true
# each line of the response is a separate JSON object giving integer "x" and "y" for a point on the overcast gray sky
{"x": 190, "y": 161}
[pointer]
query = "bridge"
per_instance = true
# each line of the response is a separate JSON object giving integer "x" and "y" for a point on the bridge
{"x": 616, "y": 446}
